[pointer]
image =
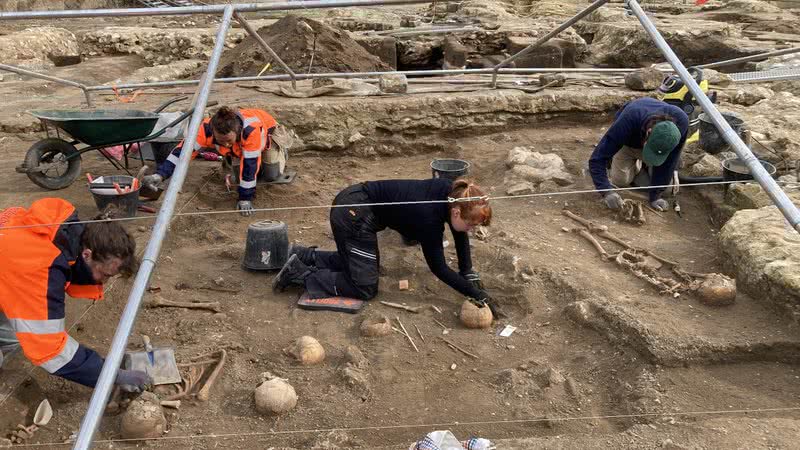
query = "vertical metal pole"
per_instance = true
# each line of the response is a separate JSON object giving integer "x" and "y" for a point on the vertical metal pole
{"x": 772, "y": 189}
{"x": 547, "y": 37}
{"x": 103, "y": 388}
{"x": 252, "y": 32}
{"x": 88, "y": 94}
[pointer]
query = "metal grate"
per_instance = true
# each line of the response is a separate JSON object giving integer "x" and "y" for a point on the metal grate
{"x": 790, "y": 73}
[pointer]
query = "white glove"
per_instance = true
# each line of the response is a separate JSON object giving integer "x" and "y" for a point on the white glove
{"x": 613, "y": 200}
{"x": 245, "y": 207}
{"x": 660, "y": 205}
{"x": 152, "y": 181}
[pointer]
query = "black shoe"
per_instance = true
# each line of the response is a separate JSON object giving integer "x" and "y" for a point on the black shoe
{"x": 306, "y": 254}
{"x": 293, "y": 272}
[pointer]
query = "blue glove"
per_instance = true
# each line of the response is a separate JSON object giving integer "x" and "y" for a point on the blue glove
{"x": 245, "y": 207}
{"x": 660, "y": 205}
{"x": 612, "y": 200}
{"x": 133, "y": 380}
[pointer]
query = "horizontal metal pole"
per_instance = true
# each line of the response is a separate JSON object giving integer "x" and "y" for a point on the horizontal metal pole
{"x": 430, "y": 31}
{"x": 730, "y": 62}
{"x": 206, "y": 9}
{"x": 21, "y": 71}
{"x": 760, "y": 174}
{"x": 572, "y": 21}
{"x": 359, "y": 75}
{"x": 107, "y": 376}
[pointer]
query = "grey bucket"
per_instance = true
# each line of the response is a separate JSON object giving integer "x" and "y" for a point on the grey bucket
{"x": 711, "y": 139}
{"x": 267, "y": 245}
{"x": 449, "y": 168}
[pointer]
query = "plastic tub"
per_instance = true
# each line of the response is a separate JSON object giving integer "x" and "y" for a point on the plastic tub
{"x": 449, "y": 168}
{"x": 127, "y": 203}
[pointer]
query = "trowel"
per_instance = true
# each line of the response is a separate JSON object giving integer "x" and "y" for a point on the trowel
{"x": 159, "y": 363}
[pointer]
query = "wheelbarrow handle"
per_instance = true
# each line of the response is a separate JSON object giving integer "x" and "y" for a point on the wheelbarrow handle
{"x": 169, "y": 102}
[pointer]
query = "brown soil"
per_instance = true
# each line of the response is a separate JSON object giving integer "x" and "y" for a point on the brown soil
{"x": 332, "y": 50}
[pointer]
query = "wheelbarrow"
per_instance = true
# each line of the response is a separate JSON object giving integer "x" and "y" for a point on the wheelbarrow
{"x": 54, "y": 163}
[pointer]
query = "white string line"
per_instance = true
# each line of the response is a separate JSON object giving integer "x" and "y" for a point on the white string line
{"x": 433, "y": 425}
{"x": 92, "y": 305}
{"x": 418, "y": 202}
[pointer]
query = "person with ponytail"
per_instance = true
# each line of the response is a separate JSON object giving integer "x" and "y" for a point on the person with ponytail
{"x": 352, "y": 270}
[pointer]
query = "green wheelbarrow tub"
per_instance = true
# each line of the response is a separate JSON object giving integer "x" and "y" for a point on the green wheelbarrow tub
{"x": 101, "y": 127}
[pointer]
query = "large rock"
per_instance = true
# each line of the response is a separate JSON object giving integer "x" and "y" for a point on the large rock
{"x": 455, "y": 54}
{"x": 536, "y": 168}
{"x": 419, "y": 54}
{"x": 776, "y": 118}
{"x": 708, "y": 166}
{"x": 765, "y": 252}
{"x": 751, "y": 95}
{"x": 752, "y": 196}
{"x": 384, "y": 47}
{"x": 32, "y": 46}
{"x": 626, "y": 44}
{"x": 647, "y": 79}
{"x": 553, "y": 53}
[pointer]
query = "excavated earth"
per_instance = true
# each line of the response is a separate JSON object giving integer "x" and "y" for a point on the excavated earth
{"x": 598, "y": 359}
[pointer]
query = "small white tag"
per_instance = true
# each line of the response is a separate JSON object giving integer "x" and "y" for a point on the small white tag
{"x": 507, "y": 331}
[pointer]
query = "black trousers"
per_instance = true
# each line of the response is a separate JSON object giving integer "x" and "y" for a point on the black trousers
{"x": 352, "y": 270}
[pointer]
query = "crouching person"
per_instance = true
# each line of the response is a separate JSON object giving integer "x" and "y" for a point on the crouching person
{"x": 352, "y": 270}
{"x": 40, "y": 264}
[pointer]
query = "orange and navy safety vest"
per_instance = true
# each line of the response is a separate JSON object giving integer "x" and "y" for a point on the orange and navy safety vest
{"x": 256, "y": 137}
{"x": 38, "y": 266}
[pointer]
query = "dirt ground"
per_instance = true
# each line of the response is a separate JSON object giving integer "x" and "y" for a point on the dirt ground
{"x": 642, "y": 362}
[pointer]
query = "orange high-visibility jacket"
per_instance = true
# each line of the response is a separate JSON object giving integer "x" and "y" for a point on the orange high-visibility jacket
{"x": 38, "y": 265}
{"x": 257, "y": 128}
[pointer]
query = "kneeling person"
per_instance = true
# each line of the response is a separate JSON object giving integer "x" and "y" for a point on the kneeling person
{"x": 40, "y": 265}
{"x": 644, "y": 144}
{"x": 352, "y": 270}
{"x": 243, "y": 133}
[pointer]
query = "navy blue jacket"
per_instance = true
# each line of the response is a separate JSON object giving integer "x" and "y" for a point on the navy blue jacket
{"x": 425, "y": 223}
{"x": 628, "y": 130}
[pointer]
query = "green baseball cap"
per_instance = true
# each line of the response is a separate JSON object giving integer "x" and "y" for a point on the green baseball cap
{"x": 664, "y": 137}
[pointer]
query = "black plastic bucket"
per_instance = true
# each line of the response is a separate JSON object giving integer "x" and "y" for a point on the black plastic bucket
{"x": 734, "y": 169}
{"x": 449, "y": 168}
{"x": 127, "y": 203}
{"x": 711, "y": 139}
{"x": 267, "y": 246}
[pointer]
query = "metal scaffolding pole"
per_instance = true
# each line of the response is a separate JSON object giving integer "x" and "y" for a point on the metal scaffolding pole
{"x": 103, "y": 387}
{"x": 252, "y": 32}
{"x": 301, "y": 76}
{"x": 769, "y": 185}
{"x": 548, "y": 36}
{"x": 207, "y": 9}
{"x": 21, "y": 71}
{"x": 730, "y": 62}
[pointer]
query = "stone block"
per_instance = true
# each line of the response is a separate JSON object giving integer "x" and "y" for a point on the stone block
{"x": 455, "y": 54}
{"x": 647, "y": 79}
{"x": 395, "y": 83}
{"x": 384, "y": 47}
{"x": 765, "y": 252}
{"x": 554, "y": 53}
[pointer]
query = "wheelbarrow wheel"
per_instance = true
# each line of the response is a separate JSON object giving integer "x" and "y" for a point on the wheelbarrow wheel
{"x": 48, "y": 164}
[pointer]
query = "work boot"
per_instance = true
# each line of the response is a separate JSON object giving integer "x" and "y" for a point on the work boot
{"x": 293, "y": 272}
{"x": 306, "y": 254}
